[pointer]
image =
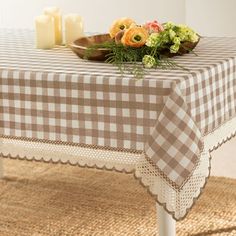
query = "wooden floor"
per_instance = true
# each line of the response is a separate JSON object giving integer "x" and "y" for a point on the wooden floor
{"x": 224, "y": 160}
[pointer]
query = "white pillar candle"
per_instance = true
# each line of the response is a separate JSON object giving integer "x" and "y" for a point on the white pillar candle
{"x": 55, "y": 12}
{"x": 74, "y": 28}
{"x": 45, "y": 32}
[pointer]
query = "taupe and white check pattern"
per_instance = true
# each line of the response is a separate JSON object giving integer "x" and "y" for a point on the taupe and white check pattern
{"x": 53, "y": 95}
{"x": 175, "y": 132}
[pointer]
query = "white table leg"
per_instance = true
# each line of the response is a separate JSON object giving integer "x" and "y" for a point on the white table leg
{"x": 1, "y": 168}
{"x": 165, "y": 222}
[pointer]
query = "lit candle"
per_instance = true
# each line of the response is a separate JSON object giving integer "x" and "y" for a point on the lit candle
{"x": 74, "y": 28}
{"x": 55, "y": 12}
{"x": 45, "y": 32}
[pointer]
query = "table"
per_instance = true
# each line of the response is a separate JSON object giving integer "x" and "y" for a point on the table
{"x": 55, "y": 107}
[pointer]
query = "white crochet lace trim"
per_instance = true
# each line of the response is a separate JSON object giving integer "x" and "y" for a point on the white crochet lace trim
{"x": 74, "y": 155}
{"x": 176, "y": 202}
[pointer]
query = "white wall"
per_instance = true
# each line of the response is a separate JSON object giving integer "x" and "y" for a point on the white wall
{"x": 212, "y": 17}
{"x": 98, "y": 14}
{"x": 208, "y": 17}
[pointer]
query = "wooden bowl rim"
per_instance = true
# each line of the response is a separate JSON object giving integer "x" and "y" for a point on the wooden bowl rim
{"x": 74, "y": 45}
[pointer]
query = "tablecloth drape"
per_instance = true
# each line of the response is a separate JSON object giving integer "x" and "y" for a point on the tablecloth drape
{"x": 168, "y": 118}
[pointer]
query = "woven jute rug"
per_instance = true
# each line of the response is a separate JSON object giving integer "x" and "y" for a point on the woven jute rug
{"x": 39, "y": 199}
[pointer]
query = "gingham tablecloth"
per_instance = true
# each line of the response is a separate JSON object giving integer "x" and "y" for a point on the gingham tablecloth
{"x": 52, "y": 95}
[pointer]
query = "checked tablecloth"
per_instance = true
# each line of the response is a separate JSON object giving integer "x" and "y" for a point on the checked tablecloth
{"x": 165, "y": 125}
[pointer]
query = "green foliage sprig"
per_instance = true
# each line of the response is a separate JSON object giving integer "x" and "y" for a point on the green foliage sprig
{"x": 129, "y": 59}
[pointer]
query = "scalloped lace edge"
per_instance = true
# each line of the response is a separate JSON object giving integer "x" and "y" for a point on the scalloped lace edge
{"x": 19, "y": 149}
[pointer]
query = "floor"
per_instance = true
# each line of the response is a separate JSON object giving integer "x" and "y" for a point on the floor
{"x": 224, "y": 160}
{"x": 39, "y": 199}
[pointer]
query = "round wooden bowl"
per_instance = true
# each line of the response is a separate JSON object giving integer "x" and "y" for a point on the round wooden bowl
{"x": 80, "y": 46}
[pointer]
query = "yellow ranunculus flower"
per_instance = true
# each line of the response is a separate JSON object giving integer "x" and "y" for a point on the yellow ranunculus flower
{"x": 135, "y": 37}
{"x": 119, "y": 25}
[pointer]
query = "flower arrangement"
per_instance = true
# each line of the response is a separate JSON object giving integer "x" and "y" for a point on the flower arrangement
{"x": 135, "y": 47}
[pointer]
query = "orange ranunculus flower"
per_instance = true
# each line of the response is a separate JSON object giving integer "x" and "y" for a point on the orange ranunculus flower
{"x": 120, "y": 24}
{"x": 135, "y": 37}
